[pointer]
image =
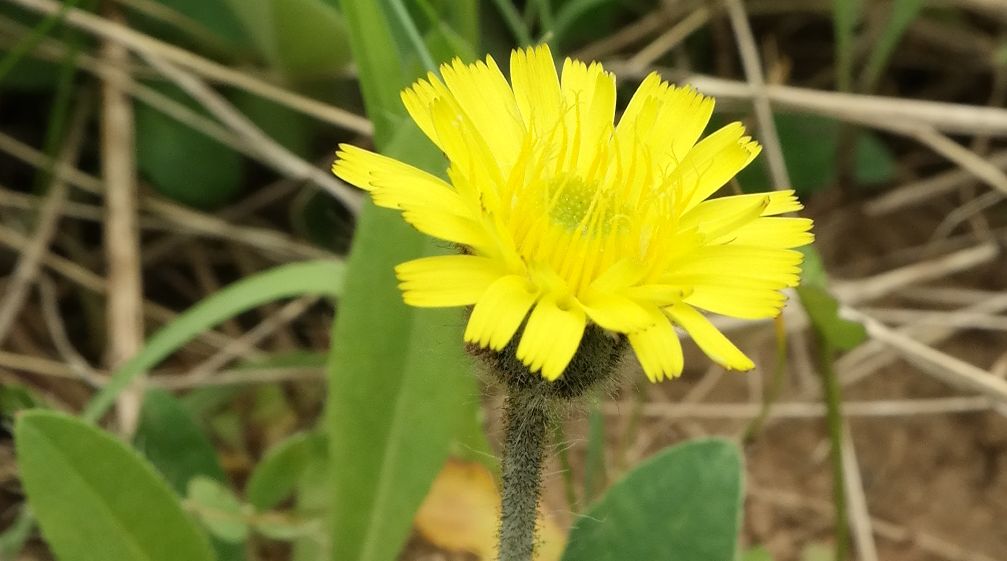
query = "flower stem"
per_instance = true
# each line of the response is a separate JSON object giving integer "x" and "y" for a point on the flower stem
{"x": 834, "y": 420}
{"x": 526, "y": 418}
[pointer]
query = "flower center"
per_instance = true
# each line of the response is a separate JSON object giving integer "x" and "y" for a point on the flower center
{"x": 571, "y": 199}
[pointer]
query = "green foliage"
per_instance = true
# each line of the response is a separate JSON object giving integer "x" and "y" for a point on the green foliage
{"x": 218, "y": 509}
{"x": 97, "y": 500}
{"x": 13, "y": 538}
{"x": 172, "y": 440}
{"x": 682, "y": 504}
{"x": 14, "y": 398}
{"x": 183, "y": 164}
{"x": 823, "y": 309}
{"x": 285, "y": 281}
{"x": 34, "y": 74}
{"x": 571, "y": 13}
{"x": 398, "y": 384}
{"x": 300, "y": 38}
{"x": 903, "y": 13}
{"x": 209, "y": 26}
{"x": 398, "y": 380}
{"x": 291, "y": 129}
{"x": 846, "y": 16}
{"x": 281, "y": 469}
{"x": 757, "y": 554}
{"x": 810, "y": 145}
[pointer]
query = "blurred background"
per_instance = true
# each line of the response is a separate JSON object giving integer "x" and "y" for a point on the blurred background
{"x": 153, "y": 152}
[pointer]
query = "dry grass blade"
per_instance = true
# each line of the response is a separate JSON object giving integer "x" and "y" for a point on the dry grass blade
{"x": 860, "y": 517}
{"x": 268, "y": 149}
{"x": 945, "y": 367}
{"x": 884, "y": 529}
{"x": 145, "y": 44}
{"x": 124, "y": 300}
{"x": 870, "y": 110}
{"x": 924, "y": 190}
{"x": 763, "y": 112}
{"x": 27, "y": 267}
{"x": 809, "y": 409}
{"x": 180, "y": 216}
{"x": 670, "y": 39}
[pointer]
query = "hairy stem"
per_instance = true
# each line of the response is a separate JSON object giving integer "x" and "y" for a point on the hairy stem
{"x": 526, "y": 419}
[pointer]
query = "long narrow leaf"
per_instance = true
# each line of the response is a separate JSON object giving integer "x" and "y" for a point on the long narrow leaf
{"x": 399, "y": 384}
{"x": 296, "y": 279}
{"x": 903, "y": 14}
{"x": 845, "y": 16}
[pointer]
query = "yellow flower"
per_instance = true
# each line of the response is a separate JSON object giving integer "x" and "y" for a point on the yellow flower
{"x": 566, "y": 218}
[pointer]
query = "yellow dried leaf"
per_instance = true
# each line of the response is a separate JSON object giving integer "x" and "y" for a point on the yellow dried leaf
{"x": 461, "y": 512}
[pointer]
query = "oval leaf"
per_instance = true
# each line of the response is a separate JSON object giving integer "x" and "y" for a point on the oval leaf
{"x": 171, "y": 439}
{"x": 683, "y": 504}
{"x": 97, "y": 500}
{"x": 276, "y": 476}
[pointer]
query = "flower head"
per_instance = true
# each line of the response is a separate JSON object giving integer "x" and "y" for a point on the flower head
{"x": 567, "y": 218}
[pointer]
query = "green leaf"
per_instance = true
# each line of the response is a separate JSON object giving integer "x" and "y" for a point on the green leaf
{"x": 575, "y": 12}
{"x": 13, "y": 538}
{"x": 278, "y": 473}
{"x": 376, "y": 54}
{"x": 293, "y": 279}
{"x": 172, "y": 440}
{"x": 683, "y": 504}
{"x": 220, "y": 511}
{"x": 846, "y": 16}
{"x": 291, "y": 129}
{"x": 823, "y": 310}
{"x": 902, "y": 15}
{"x": 301, "y": 38}
{"x": 398, "y": 378}
{"x": 206, "y": 25}
{"x": 14, "y": 398}
{"x": 757, "y": 554}
{"x": 169, "y": 436}
{"x": 97, "y": 500}
{"x": 398, "y": 383}
{"x": 184, "y": 164}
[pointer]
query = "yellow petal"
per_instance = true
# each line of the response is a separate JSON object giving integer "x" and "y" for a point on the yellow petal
{"x": 709, "y": 339}
{"x": 739, "y": 302}
{"x": 720, "y": 217}
{"x": 450, "y": 227}
{"x": 536, "y": 87}
{"x": 667, "y": 119}
{"x": 658, "y": 350}
{"x": 446, "y": 280}
{"x": 393, "y": 184}
{"x": 500, "y": 311}
{"x": 775, "y": 232}
{"x": 736, "y": 260}
{"x": 588, "y": 111}
{"x": 483, "y": 93}
{"x": 713, "y": 161}
{"x": 617, "y": 312}
{"x": 419, "y": 99}
{"x": 551, "y": 336}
